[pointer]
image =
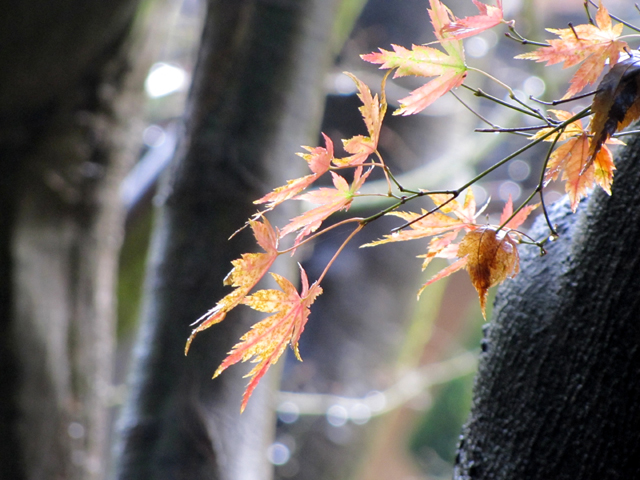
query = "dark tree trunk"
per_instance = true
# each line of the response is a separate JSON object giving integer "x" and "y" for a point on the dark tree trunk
{"x": 257, "y": 96}
{"x": 68, "y": 109}
{"x": 557, "y": 391}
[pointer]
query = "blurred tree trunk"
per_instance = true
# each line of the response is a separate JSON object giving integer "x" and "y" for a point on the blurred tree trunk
{"x": 557, "y": 390}
{"x": 69, "y": 97}
{"x": 257, "y": 95}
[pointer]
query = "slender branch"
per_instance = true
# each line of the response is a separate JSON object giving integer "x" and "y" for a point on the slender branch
{"x": 386, "y": 172}
{"x": 629, "y": 132}
{"x": 477, "y": 114}
{"x": 618, "y": 19}
{"x": 497, "y": 165}
{"x": 512, "y": 94}
{"x": 335, "y": 255}
{"x": 510, "y": 130}
{"x": 321, "y": 232}
{"x": 563, "y": 100}
{"x": 514, "y": 35}
{"x": 540, "y": 186}
{"x": 480, "y": 93}
{"x": 586, "y": 9}
{"x": 405, "y": 199}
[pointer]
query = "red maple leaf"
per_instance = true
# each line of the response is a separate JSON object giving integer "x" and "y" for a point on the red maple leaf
{"x": 319, "y": 160}
{"x": 442, "y": 227}
{"x": 514, "y": 221}
{"x": 489, "y": 17}
{"x": 267, "y": 339}
{"x": 330, "y": 200}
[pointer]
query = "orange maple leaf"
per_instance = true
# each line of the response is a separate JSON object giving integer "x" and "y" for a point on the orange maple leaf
{"x": 572, "y": 158}
{"x": 489, "y": 17}
{"x": 330, "y": 200}
{"x": 491, "y": 258}
{"x": 591, "y": 44}
{"x": 489, "y": 255}
{"x": 373, "y": 111}
{"x": 449, "y": 68}
{"x": 246, "y": 273}
{"x": 267, "y": 339}
{"x": 319, "y": 160}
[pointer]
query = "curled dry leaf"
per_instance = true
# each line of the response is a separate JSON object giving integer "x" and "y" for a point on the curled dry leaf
{"x": 491, "y": 258}
{"x": 616, "y": 103}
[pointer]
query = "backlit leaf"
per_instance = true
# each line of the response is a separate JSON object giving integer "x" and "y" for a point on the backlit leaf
{"x": 518, "y": 218}
{"x": 319, "y": 160}
{"x": 331, "y": 200}
{"x": 489, "y": 17}
{"x": 424, "y": 61}
{"x": 246, "y": 273}
{"x": 595, "y": 45}
{"x": 572, "y": 159}
{"x": 491, "y": 258}
{"x": 267, "y": 339}
{"x": 373, "y": 111}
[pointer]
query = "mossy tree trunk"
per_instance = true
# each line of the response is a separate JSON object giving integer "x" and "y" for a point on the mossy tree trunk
{"x": 557, "y": 390}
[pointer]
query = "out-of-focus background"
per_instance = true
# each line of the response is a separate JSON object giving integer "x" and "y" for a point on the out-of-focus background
{"x": 386, "y": 380}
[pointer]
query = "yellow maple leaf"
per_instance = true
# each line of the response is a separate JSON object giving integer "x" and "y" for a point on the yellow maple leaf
{"x": 267, "y": 339}
{"x": 246, "y": 273}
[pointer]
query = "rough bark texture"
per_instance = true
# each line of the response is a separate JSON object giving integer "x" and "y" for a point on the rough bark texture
{"x": 557, "y": 390}
{"x": 257, "y": 96}
{"x": 67, "y": 136}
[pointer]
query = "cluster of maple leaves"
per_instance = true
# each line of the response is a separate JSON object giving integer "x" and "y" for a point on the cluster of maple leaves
{"x": 488, "y": 252}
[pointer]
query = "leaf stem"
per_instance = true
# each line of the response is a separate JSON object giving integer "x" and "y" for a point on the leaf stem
{"x": 480, "y": 93}
{"x": 512, "y": 94}
{"x": 468, "y": 107}
{"x": 317, "y": 234}
{"x": 514, "y": 35}
{"x": 335, "y": 255}
{"x": 540, "y": 186}
{"x": 563, "y": 100}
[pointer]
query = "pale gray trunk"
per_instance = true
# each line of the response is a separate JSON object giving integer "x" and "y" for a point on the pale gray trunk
{"x": 69, "y": 124}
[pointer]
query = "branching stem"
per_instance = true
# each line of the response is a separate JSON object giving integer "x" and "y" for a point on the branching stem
{"x": 478, "y": 177}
